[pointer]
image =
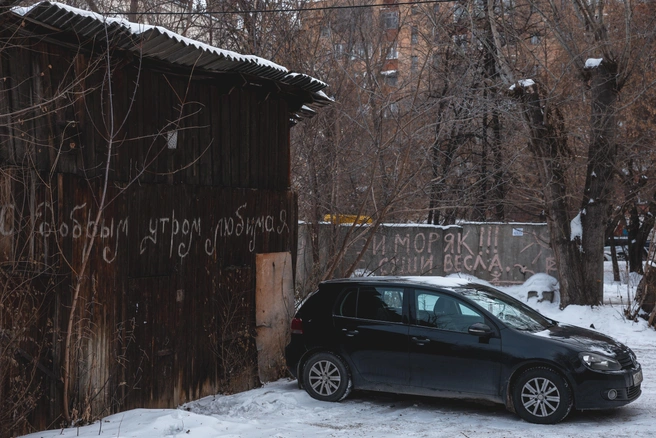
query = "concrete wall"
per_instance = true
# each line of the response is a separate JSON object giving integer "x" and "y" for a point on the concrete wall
{"x": 501, "y": 253}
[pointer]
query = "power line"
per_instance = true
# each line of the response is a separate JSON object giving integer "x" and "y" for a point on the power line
{"x": 265, "y": 11}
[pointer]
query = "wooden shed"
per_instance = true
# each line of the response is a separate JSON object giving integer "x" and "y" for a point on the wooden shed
{"x": 145, "y": 202}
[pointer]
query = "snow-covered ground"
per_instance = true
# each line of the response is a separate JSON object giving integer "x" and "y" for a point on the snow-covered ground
{"x": 281, "y": 410}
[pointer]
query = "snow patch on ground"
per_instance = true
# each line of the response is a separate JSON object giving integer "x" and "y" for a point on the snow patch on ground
{"x": 281, "y": 410}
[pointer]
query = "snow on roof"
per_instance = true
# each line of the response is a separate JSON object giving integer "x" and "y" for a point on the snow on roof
{"x": 388, "y": 72}
{"x": 140, "y": 28}
{"x": 439, "y": 281}
{"x": 451, "y": 281}
{"x": 593, "y": 62}
{"x": 524, "y": 83}
{"x": 160, "y": 43}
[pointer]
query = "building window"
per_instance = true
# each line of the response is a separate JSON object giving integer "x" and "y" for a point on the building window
{"x": 339, "y": 50}
{"x": 535, "y": 40}
{"x": 459, "y": 13}
{"x": 358, "y": 51}
{"x": 436, "y": 59}
{"x": 460, "y": 40}
{"x": 390, "y": 77}
{"x": 414, "y": 63}
{"x": 325, "y": 31}
{"x": 392, "y": 52}
{"x": 479, "y": 8}
{"x": 390, "y": 19}
{"x": 414, "y": 35}
{"x": 391, "y": 110}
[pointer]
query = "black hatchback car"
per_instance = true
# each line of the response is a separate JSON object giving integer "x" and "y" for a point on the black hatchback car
{"x": 451, "y": 338}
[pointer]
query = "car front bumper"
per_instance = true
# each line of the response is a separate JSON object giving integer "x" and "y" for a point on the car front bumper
{"x": 597, "y": 390}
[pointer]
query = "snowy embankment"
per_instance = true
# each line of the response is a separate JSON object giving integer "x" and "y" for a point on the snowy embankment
{"x": 281, "y": 410}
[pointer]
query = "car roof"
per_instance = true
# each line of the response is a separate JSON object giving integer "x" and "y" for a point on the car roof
{"x": 407, "y": 280}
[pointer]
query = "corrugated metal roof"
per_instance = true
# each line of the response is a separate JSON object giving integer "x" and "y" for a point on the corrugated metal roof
{"x": 160, "y": 43}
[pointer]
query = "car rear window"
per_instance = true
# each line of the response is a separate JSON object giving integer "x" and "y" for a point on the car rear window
{"x": 375, "y": 303}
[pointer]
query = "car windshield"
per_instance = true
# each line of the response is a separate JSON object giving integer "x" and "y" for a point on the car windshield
{"x": 512, "y": 312}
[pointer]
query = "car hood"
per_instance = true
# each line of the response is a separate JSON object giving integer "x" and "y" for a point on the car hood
{"x": 582, "y": 339}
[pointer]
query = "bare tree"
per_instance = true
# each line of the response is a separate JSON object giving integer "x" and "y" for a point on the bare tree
{"x": 581, "y": 32}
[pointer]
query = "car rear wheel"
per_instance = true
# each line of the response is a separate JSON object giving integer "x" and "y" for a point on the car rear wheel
{"x": 326, "y": 378}
{"x": 540, "y": 395}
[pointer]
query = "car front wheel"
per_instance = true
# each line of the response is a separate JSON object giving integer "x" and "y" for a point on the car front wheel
{"x": 540, "y": 395}
{"x": 326, "y": 378}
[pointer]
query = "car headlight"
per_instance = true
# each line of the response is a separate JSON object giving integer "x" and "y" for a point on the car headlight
{"x": 598, "y": 362}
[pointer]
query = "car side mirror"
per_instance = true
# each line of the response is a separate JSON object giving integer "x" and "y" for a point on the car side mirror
{"x": 480, "y": 329}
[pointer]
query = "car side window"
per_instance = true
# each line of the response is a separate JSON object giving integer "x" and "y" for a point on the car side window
{"x": 380, "y": 303}
{"x": 442, "y": 311}
{"x": 348, "y": 303}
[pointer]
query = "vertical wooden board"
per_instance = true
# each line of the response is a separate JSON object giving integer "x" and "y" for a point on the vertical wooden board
{"x": 199, "y": 108}
{"x": 262, "y": 140}
{"x": 59, "y": 68}
{"x": 139, "y": 373}
{"x": 94, "y": 128}
{"x": 161, "y": 117}
{"x": 202, "y": 378}
{"x": 7, "y": 216}
{"x": 65, "y": 185}
{"x": 125, "y": 112}
{"x": 227, "y": 132}
{"x": 270, "y": 144}
{"x": 192, "y": 155}
{"x": 121, "y": 89}
{"x": 244, "y": 140}
{"x": 277, "y": 119}
{"x": 138, "y": 144}
{"x": 53, "y": 77}
{"x": 21, "y": 97}
{"x": 43, "y": 141}
{"x": 6, "y": 108}
{"x": 163, "y": 343}
{"x": 174, "y": 116}
{"x": 214, "y": 131}
{"x": 137, "y": 134}
{"x": 147, "y": 140}
{"x": 184, "y": 304}
{"x": 256, "y": 166}
{"x": 206, "y": 145}
{"x": 284, "y": 163}
{"x": 268, "y": 141}
{"x": 235, "y": 307}
{"x": 115, "y": 306}
{"x": 183, "y": 155}
{"x": 274, "y": 308}
{"x": 236, "y": 138}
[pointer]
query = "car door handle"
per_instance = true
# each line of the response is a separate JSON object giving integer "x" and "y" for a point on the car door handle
{"x": 350, "y": 333}
{"x": 420, "y": 341}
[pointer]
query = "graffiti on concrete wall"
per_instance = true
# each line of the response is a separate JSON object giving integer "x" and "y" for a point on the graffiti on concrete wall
{"x": 498, "y": 253}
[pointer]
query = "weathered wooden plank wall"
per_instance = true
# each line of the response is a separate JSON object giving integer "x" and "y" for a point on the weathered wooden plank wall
{"x": 166, "y": 306}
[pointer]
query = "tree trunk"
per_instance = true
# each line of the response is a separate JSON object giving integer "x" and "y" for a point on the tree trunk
{"x": 646, "y": 293}
{"x": 599, "y": 184}
{"x": 548, "y": 145}
{"x": 639, "y": 229}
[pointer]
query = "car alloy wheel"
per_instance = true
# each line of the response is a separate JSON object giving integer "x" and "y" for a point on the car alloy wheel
{"x": 326, "y": 378}
{"x": 542, "y": 396}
